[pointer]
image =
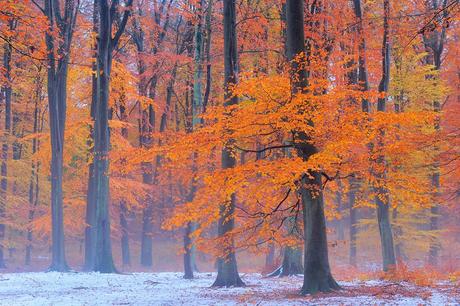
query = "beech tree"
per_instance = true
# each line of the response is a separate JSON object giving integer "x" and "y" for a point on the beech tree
{"x": 227, "y": 270}
{"x": 107, "y": 43}
{"x": 61, "y": 21}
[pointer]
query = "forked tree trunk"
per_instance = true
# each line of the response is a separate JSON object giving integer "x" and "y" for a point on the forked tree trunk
{"x": 103, "y": 261}
{"x": 57, "y": 96}
{"x": 227, "y": 270}
{"x": 317, "y": 274}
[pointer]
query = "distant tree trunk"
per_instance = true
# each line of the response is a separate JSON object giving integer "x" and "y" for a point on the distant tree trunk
{"x": 353, "y": 220}
{"x": 341, "y": 210}
{"x": 434, "y": 45}
{"x": 227, "y": 270}
{"x": 382, "y": 197}
{"x": 147, "y": 125}
{"x": 188, "y": 264}
{"x": 6, "y": 92}
{"x": 197, "y": 109}
{"x": 360, "y": 78}
{"x": 57, "y": 96}
{"x": 317, "y": 274}
{"x": 270, "y": 257}
{"x": 125, "y": 254}
{"x": 208, "y": 55}
{"x": 34, "y": 186}
{"x": 90, "y": 218}
{"x": 292, "y": 256}
{"x": 292, "y": 263}
{"x": 103, "y": 261}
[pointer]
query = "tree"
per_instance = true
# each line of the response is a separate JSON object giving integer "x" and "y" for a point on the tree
{"x": 227, "y": 270}
{"x": 382, "y": 197}
{"x": 103, "y": 261}
{"x": 6, "y": 92}
{"x": 434, "y": 44}
{"x": 58, "y": 49}
{"x": 317, "y": 274}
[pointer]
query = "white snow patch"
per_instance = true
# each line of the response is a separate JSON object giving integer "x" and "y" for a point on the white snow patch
{"x": 171, "y": 289}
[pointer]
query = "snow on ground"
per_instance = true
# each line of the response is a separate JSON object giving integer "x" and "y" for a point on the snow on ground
{"x": 171, "y": 289}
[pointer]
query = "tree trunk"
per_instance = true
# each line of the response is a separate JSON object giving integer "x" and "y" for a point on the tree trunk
{"x": 103, "y": 261}
{"x": 360, "y": 78}
{"x": 270, "y": 257}
{"x": 208, "y": 55}
{"x": 90, "y": 218}
{"x": 292, "y": 256}
{"x": 34, "y": 175}
{"x": 382, "y": 197}
{"x": 57, "y": 96}
{"x": 353, "y": 221}
{"x": 340, "y": 222}
{"x": 227, "y": 270}
{"x": 317, "y": 274}
{"x": 125, "y": 254}
{"x": 6, "y": 92}
{"x": 434, "y": 45}
{"x": 188, "y": 264}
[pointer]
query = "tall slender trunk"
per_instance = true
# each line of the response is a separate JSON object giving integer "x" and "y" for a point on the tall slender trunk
{"x": 125, "y": 253}
{"x": 6, "y": 92}
{"x": 197, "y": 109}
{"x": 34, "y": 189}
{"x": 382, "y": 197}
{"x": 208, "y": 55}
{"x": 353, "y": 220}
{"x": 90, "y": 218}
{"x": 434, "y": 45}
{"x": 360, "y": 78}
{"x": 227, "y": 270}
{"x": 57, "y": 96}
{"x": 147, "y": 125}
{"x": 103, "y": 261}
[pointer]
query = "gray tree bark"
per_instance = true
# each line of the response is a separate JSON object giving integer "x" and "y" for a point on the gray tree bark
{"x": 227, "y": 270}
{"x": 6, "y": 92}
{"x": 103, "y": 260}
{"x": 382, "y": 197}
{"x": 57, "y": 96}
{"x": 434, "y": 45}
{"x": 317, "y": 274}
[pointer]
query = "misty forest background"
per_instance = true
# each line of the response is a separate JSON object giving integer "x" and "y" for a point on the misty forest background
{"x": 195, "y": 135}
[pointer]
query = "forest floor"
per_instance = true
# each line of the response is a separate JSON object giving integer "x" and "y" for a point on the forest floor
{"x": 171, "y": 289}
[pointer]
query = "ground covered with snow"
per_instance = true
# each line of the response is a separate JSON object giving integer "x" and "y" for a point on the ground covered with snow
{"x": 171, "y": 289}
